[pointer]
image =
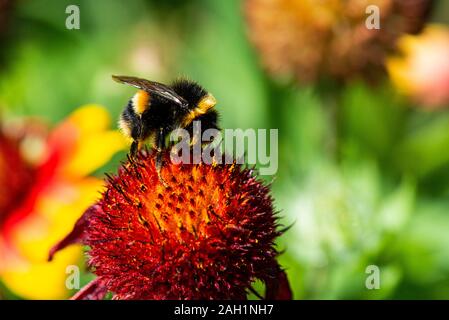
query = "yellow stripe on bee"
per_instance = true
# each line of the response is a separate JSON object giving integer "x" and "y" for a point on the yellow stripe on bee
{"x": 141, "y": 101}
{"x": 124, "y": 126}
{"x": 203, "y": 106}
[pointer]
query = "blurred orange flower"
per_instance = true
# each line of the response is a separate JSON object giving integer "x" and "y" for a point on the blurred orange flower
{"x": 310, "y": 40}
{"x": 422, "y": 71}
{"x": 44, "y": 186}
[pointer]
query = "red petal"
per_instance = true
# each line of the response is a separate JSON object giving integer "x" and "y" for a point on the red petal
{"x": 94, "y": 290}
{"x": 77, "y": 234}
{"x": 278, "y": 288}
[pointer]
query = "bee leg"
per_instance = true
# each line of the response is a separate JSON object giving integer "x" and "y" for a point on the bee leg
{"x": 159, "y": 163}
{"x": 159, "y": 160}
{"x": 135, "y": 146}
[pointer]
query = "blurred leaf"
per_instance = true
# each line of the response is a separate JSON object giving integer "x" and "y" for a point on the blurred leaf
{"x": 397, "y": 208}
{"x": 346, "y": 218}
{"x": 304, "y": 131}
{"x": 425, "y": 148}
{"x": 372, "y": 120}
{"x": 423, "y": 253}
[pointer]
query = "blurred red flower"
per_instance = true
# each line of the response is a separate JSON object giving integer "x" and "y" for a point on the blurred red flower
{"x": 44, "y": 185}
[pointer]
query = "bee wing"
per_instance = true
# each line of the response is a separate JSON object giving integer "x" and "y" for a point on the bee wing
{"x": 153, "y": 88}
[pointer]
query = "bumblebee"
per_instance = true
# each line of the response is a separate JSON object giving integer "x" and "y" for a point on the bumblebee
{"x": 157, "y": 109}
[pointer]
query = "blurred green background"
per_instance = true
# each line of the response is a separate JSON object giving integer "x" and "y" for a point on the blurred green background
{"x": 368, "y": 187}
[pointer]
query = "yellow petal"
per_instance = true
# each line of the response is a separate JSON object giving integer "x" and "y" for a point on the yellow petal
{"x": 93, "y": 152}
{"x": 57, "y": 210}
{"x": 95, "y": 145}
{"x": 399, "y": 71}
{"x": 90, "y": 118}
{"x": 420, "y": 71}
{"x": 54, "y": 217}
{"x": 42, "y": 280}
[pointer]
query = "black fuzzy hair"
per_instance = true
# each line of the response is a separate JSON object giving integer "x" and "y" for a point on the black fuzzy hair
{"x": 189, "y": 90}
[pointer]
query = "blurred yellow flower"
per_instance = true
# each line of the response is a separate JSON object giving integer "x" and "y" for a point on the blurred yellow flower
{"x": 44, "y": 186}
{"x": 422, "y": 71}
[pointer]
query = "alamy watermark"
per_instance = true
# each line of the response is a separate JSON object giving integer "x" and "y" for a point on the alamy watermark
{"x": 211, "y": 146}
{"x": 372, "y": 281}
{"x": 73, "y": 277}
{"x": 373, "y": 20}
{"x": 73, "y": 19}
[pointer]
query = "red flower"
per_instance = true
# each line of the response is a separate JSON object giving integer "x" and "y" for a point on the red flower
{"x": 208, "y": 235}
{"x": 15, "y": 176}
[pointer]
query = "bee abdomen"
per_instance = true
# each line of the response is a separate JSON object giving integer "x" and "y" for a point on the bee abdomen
{"x": 130, "y": 122}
